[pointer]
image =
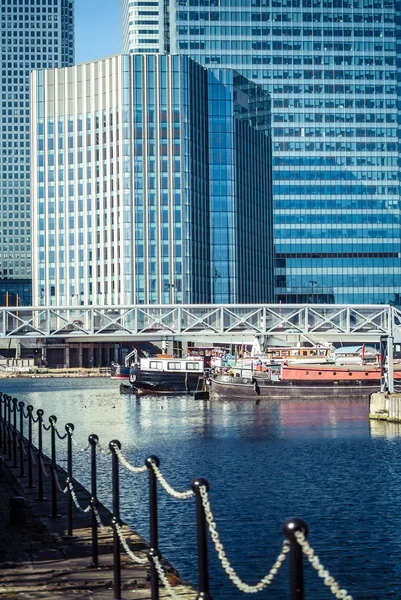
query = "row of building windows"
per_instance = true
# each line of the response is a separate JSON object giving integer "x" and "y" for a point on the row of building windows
{"x": 286, "y": 146}
{"x": 333, "y": 5}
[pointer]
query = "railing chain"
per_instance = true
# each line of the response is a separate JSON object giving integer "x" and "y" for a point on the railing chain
{"x": 33, "y": 456}
{"x": 163, "y": 577}
{"x": 167, "y": 487}
{"x": 236, "y": 580}
{"x": 314, "y": 560}
{"x": 70, "y": 488}
{"x": 124, "y": 543}
{"x": 125, "y": 462}
{"x": 60, "y": 437}
{"x": 102, "y": 527}
{"x": 45, "y": 472}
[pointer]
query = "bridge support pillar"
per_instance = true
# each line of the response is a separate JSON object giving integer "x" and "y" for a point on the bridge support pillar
{"x": 90, "y": 355}
{"x": 67, "y": 356}
{"x": 80, "y": 355}
{"x": 44, "y": 352}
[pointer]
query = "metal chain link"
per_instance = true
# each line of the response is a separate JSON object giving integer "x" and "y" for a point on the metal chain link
{"x": 125, "y": 462}
{"x": 74, "y": 443}
{"x": 163, "y": 577}
{"x": 176, "y": 494}
{"x": 47, "y": 474}
{"x": 60, "y": 437}
{"x": 23, "y": 445}
{"x": 124, "y": 543}
{"x": 236, "y": 580}
{"x": 100, "y": 448}
{"x": 63, "y": 491}
{"x": 104, "y": 528}
{"x": 33, "y": 456}
{"x": 322, "y": 572}
{"x": 70, "y": 488}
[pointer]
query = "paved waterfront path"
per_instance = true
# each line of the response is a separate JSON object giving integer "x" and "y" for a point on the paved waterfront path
{"x": 38, "y": 560}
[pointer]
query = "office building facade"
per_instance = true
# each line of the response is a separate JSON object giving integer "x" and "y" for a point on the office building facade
{"x": 331, "y": 69}
{"x": 34, "y": 34}
{"x": 142, "y": 27}
{"x": 151, "y": 184}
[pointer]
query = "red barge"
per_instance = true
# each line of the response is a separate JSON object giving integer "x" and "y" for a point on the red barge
{"x": 307, "y": 380}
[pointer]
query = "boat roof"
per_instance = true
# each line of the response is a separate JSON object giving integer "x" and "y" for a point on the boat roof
{"x": 354, "y": 349}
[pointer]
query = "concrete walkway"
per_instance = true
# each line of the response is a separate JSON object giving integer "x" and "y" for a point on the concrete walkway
{"x": 38, "y": 560}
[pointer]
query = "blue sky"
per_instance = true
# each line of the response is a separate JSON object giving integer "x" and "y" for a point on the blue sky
{"x": 97, "y": 29}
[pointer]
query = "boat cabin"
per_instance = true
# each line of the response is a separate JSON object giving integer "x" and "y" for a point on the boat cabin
{"x": 355, "y": 355}
{"x": 171, "y": 364}
{"x": 298, "y": 353}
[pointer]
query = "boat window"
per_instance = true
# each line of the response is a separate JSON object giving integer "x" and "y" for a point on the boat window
{"x": 192, "y": 366}
{"x": 174, "y": 366}
{"x": 156, "y": 364}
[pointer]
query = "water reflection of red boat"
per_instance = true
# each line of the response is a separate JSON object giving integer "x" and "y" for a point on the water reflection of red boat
{"x": 299, "y": 414}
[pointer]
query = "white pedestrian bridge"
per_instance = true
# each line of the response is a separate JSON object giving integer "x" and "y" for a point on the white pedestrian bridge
{"x": 233, "y": 323}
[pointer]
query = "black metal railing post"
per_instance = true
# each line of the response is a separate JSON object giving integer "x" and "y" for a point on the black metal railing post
{"x": 201, "y": 528}
{"x": 9, "y": 410}
{"x": 153, "y": 526}
{"x": 3, "y": 417}
{"x": 21, "y": 439}
{"x": 116, "y": 517}
{"x": 296, "y": 558}
{"x": 93, "y": 440}
{"x": 15, "y": 409}
{"x": 53, "y": 421}
{"x": 1, "y": 420}
{"x": 30, "y": 446}
{"x": 70, "y": 430}
{"x": 40, "y": 414}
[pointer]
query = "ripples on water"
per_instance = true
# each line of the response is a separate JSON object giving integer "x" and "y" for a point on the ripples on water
{"x": 319, "y": 460}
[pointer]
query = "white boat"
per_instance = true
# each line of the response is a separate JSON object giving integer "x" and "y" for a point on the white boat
{"x": 164, "y": 374}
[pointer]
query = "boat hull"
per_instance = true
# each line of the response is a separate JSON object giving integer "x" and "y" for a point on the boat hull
{"x": 153, "y": 382}
{"x": 235, "y": 387}
{"x": 119, "y": 372}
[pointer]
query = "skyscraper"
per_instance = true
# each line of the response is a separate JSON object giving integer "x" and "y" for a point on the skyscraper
{"x": 151, "y": 184}
{"x": 331, "y": 69}
{"x": 142, "y": 26}
{"x": 34, "y": 34}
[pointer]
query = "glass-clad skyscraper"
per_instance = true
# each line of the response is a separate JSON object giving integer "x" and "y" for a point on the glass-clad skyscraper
{"x": 151, "y": 184}
{"x": 331, "y": 69}
{"x": 34, "y": 34}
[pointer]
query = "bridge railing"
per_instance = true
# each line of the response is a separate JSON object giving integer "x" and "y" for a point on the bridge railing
{"x": 16, "y": 435}
{"x": 210, "y": 321}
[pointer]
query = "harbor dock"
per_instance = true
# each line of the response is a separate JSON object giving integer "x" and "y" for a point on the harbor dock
{"x": 384, "y": 406}
{"x": 38, "y": 560}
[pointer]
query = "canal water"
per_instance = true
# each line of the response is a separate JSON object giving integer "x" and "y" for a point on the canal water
{"x": 320, "y": 460}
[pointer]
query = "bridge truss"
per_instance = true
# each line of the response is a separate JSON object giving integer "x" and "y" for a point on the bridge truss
{"x": 211, "y": 323}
